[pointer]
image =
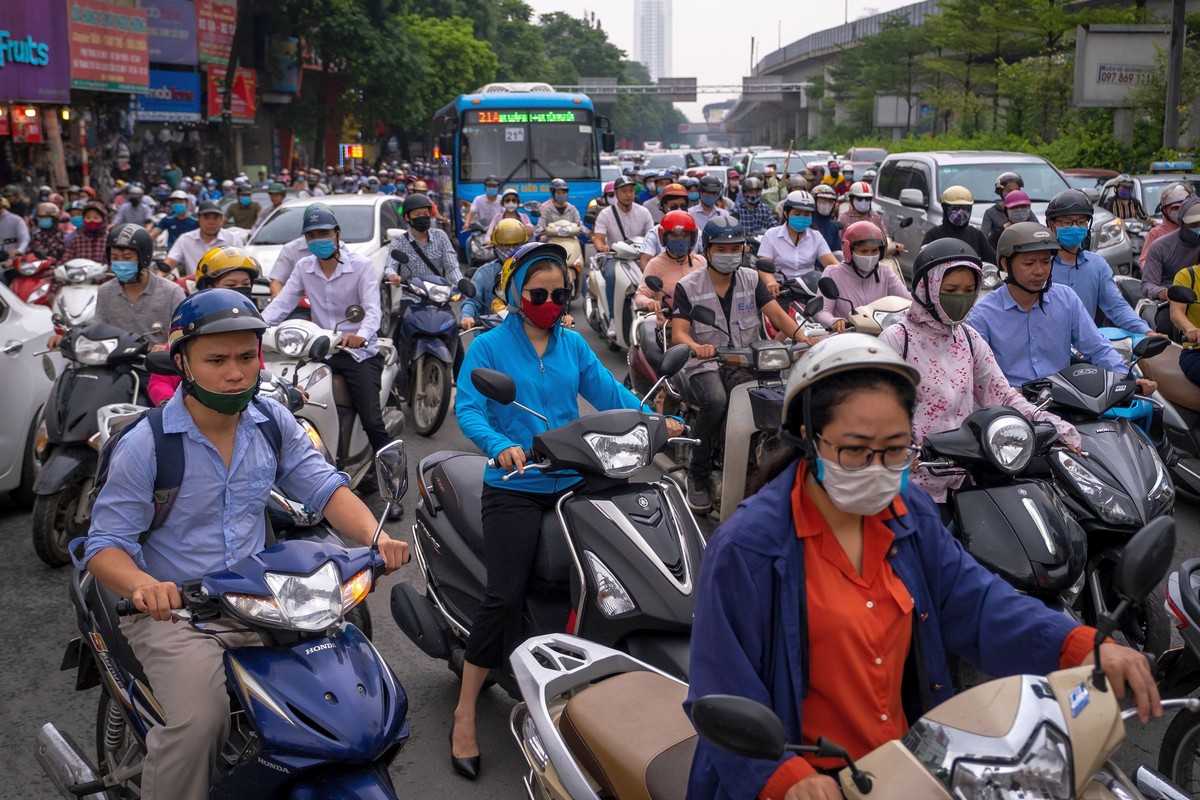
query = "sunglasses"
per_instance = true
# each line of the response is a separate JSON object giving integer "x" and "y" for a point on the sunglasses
{"x": 539, "y": 296}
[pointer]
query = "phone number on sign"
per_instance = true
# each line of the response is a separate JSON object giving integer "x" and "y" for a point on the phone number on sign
{"x": 1124, "y": 74}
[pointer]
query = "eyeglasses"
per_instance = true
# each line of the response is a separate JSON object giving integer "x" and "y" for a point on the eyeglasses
{"x": 856, "y": 457}
{"x": 539, "y": 296}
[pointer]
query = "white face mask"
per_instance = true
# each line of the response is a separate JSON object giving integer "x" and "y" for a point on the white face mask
{"x": 864, "y": 264}
{"x": 510, "y": 206}
{"x": 861, "y": 491}
{"x": 861, "y": 205}
{"x": 825, "y": 208}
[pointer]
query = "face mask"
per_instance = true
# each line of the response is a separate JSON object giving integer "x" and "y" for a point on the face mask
{"x": 799, "y": 224}
{"x": 956, "y": 306}
{"x": 862, "y": 205}
{"x": 693, "y": 196}
{"x": 1173, "y": 216}
{"x": 244, "y": 201}
{"x": 959, "y": 217}
{"x": 752, "y": 199}
{"x": 77, "y": 222}
{"x": 544, "y": 316}
{"x": 659, "y": 190}
{"x": 219, "y": 401}
{"x": 92, "y": 226}
{"x": 825, "y": 208}
{"x": 126, "y": 271}
{"x": 1124, "y": 194}
{"x": 178, "y": 209}
{"x": 861, "y": 491}
{"x": 45, "y": 223}
{"x": 1071, "y": 237}
{"x": 725, "y": 263}
{"x": 244, "y": 291}
{"x": 492, "y": 191}
{"x": 560, "y": 202}
{"x": 510, "y": 206}
{"x": 678, "y": 247}
{"x": 864, "y": 265}
{"x": 1018, "y": 214}
{"x": 1195, "y": 231}
{"x": 421, "y": 224}
{"x": 322, "y": 248}
{"x": 708, "y": 200}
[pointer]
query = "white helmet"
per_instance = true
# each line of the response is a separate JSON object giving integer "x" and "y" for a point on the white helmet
{"x": 1175, "y": 193}
{"x": 860, "y": 189}
{"x": 799, "y": 199}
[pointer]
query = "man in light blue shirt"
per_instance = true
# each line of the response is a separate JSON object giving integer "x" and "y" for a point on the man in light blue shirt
{"x": 216, "y": 520}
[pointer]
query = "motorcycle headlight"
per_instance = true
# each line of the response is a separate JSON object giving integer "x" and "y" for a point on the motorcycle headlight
{"x": 76, "y": 275}
{"x": 1009, "y": 441}
{"x": 1043, "y": 769}
{"x": 355, "y": 590}
{"x": 621, "y": 455}
{"x": 438, "y": 293}
{"x": 29, "y": 267}
{"x": 1160, "y": 488}
{"x": 312, "y": 602}
{"x": 93, "y": 352}
{"x": 313, "y": 436}
{"x": 1111, "y": 233}
{"x": 885, "y": 319}
{"x": 290, "y": 340}
{"x": 611, "y": 596}
{"x": 39, "y": 293}
{"x": 772, "y": 359}
{"x": 1113, "y": 506}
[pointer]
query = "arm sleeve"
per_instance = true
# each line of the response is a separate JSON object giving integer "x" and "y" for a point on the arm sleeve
{"x": 822, "y": 247}
{"x": 766, "y": 248}
{"x": 1113, "y": 304}
{"x": 473, "y": 307}
{"x": 683, "y": 306}
{"x": 176, "y": 251}
{"x": 1152, "y": 270}
{"x": 285, "y": 302}
{"x": 368, "y": 295}
{"x": 449, "y": 260}
{"x": 602, "y": 221}
{"x": 895, "y": 286}
{"x": 644, "y": 294}
{"x": 470, "y": 407}
{"x": 762, "y": 295}
{"x": 597, "y": 385}
{"x": 390, "y": 267}
{"x": 1086, "y": 337}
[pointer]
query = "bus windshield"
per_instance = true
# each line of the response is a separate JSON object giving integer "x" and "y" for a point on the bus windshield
{"x": 525, "y": 145}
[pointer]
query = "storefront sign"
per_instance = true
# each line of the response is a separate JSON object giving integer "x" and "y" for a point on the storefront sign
{"x": 34, "y": 64}
{"x": 173, "y": 97}
{"x": 241, "y": 102}
{"x": 26, "y": 125}
{"x": 216, "y": 22}
{"x": 172, "y": 27}
{"x": 109, "y": 46}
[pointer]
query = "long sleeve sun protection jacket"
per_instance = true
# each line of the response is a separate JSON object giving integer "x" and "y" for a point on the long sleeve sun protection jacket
{"x": 750, "y": 632}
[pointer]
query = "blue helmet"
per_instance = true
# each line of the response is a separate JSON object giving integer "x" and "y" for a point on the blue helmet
{"x": 213, "y": 311}
{"x": 318, "y": 217}
{"x": 723, "y": 230}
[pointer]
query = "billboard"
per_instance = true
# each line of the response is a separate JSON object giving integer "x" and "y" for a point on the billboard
{"x": 172, "y": 29}
{"x": 216, "y": 21}
{"x": 241, "y": 102}
{"x": 173, "y": 97}
{"x": 34, "y": 62}
{"x": 1111, "y": 61}
{"x": 109, "y": 46}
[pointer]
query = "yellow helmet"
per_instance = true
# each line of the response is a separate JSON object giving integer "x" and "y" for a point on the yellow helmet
{"x": 219, "y": 260}
{"x": 509, "y": 233}
{"x": 957, "y": 196}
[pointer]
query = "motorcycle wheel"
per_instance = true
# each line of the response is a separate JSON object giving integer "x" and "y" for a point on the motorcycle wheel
{"x": 1148, "y": 628}
{"x": 592, "y": 312}
{"x": 387, "y": 317}
{"x": 1179, "y": 756}
{"x": 430, "y": 406}
{"x": 53, "y": 525}
{"x": 116, "y": 744}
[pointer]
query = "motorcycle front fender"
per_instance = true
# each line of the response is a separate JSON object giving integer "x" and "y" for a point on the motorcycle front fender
{"x": 350, "y": 783}
{"x": 429, "y": 345}
{"x": 65, "y": 466}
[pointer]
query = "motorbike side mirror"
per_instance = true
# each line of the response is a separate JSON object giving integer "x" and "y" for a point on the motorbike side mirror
{"x": 829, "y": 288}
{"x": 355, "y": 314}
{"x": 814, "y": 306}
{"x": 1145, "y": 560}
{"x": 674, "y": 359}
{"x": 399, "y": 256}
{"x": 740, "y": 725}
{"x": 495, "y": 386}
{"x": 160, "y": 363}
{"x": 40, "y": 255}
{"x": 1151, "y": 346}
{"x": 654, "y": 282}
{"x": 476, "y": 227}
{"x": 391, "y": 470}
{"x": 704, "y": 316}
{"x": 58, "y": 319}
{"x": 1181, "y": 294}
{"x": 904, "y": 223}
{"x": 320, "y": 348}
{"x": 763, "y": 265}
{"x": 466, "y": 288}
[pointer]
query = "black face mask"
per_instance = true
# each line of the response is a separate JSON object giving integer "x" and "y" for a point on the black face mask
{"x": 421, "y": 224}
{"x": 244, "y": 291}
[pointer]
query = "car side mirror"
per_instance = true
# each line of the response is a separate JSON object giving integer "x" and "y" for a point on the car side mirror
{"x": 1145, "y": 560}
{"x": 906, "y": 222}
{"x": 466, "y": 288}
{"x": 391, "y": 470}
{"x": 495, "y": 386}
{"x": 913, "y": 198}
{"x": 1151, "y": 346}
{"x": 355, "y": 314}
{"x": 829, "y": 288}
{"x": 674, "y": 359}
{"x": 1181, "y": 294}
{"x": 654, "y": 283}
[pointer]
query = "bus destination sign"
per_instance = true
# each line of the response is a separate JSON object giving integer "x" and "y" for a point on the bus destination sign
{"x": 520, "y": 117}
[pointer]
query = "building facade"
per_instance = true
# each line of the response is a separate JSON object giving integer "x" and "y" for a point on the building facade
{"x": 652, "y": 36}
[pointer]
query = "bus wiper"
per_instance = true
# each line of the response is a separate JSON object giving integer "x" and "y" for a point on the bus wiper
{"x": 543, "y": 166}
{"x": 520, "y": 164}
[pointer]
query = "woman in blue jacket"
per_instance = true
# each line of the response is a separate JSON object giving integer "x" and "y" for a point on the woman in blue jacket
{"x": 552, "y": 367}
{"x": 834, "y": 593}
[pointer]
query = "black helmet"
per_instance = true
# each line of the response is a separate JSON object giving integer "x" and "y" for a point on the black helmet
{"x": 132, "y": 236}
{"x": 559, "y": 185}
{"x": 623, "y": 180}
{"x": 1005, "y": 178}
{"x": 941, "y": 251}
{"x": 723, "y": 230}
{"x": 416, "y": 201}
{"x": 709, "y": 183}
{"x": 1069, "y": 201}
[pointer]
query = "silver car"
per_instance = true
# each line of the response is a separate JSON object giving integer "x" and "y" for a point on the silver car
{"x": 909, "y": 187}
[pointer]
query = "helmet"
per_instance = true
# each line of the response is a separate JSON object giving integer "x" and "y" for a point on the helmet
{"x": 420, "y": 187}
{"x": 823, "y": 190}
{"x": 691, "y": 183}
{"x": 491, "y": 180}
{"x": 213, "y": 311}
{"x": 674, "y": 191}
{"x": 663, "y": 175}
{"x": 559, "y": 185}
{"x": 219, "y": 260}
{"x": 957, "y": 196}
{"x": 509, "y": 233}
{"x": 318, "y": 217}
{"x": 1069, "y": 201}
{"x": 709, "y": 183}
{"x": 1005, "y": 178}
{"x": 848, "y": 170}
{"x": 226, "y": 185}
{"x": 799, "y": 199}
{"x": 609, "y": 187}
{"x": 796, "y": 182}
{"x": 723, "y": 230}
{"x": 416, "y": 201}
{"x": 46, "y": 210}
{"x": 841, "y": 353}
{"x": 1016, "y": 197}
{"x": 940, "y": 251}
{"x": 861, "y": 190}
{"x": 833, "y": 164}
{"x": 131, "y": 191}
{"x": 1025, "y": 237}
{"x": 1174, "y": 194}
{"x": 244, "y": 188}
{"x": 752, "y": 183}
{"x": 276, "y": 188}
{"x": 179, "y": 194}
{"x": 510, "y": 191}
{"x": 1122, "y": 180}
{"x": 132, "y": 236}
{"x": 675, "y": 222}
{"x": 623, "y": 180}
{"x": 527, "y": 254}
{"x": 861, "y": 232}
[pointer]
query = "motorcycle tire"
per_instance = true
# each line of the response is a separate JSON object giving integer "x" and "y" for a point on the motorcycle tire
{"x": 52, "y": 526}
{"x": 1179, "y": 754}
{"x": 387, "y": 316}
{"x": 430, "y": 407}
{"x": 1152, "y": 634}
{"x": 115, "y": 743}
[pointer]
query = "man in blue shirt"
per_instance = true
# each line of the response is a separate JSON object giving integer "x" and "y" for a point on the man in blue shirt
{"x": 179, "y": 221}
{"x": 1032, "y": 324}
{"x": 217, "y": 519}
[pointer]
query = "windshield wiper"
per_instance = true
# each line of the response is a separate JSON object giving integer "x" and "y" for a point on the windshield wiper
{"x": 543, "y": 166}
{"x": 520, "y": 164}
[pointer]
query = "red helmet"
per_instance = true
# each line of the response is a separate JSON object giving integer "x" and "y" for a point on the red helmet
{"x": 677, "y": 222}
{"x": 861, "y": 189}
{"x": 674, "y": 191}
{"x": 859, "y": 233}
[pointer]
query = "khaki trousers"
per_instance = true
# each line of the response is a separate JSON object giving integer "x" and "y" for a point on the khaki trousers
{"x": 187, "y": 674}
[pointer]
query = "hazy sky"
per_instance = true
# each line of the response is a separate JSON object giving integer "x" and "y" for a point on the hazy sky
{"x": 712, "y": 37}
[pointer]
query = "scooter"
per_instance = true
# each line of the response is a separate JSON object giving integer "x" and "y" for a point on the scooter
{"x": 873, "y": 318}
{"x": 1178, "y": 675}
{"x": 617, "y": 559}
{"x": 1181, "y": 413}
{"x": 477, "y": 247}
{"x": 104, "y": 368}
{"x": 566, "y": 235}
{"x": 648, "y": 343}
{"x": 315, "y": 711}
{"x": 35, "y": 280}
{"x": 295, "y": 351}
{"x": 80, "y": 279}
{"x": 614, "y": 324}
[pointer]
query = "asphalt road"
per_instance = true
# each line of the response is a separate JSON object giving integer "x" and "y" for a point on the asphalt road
{"x": 40, "y": 622}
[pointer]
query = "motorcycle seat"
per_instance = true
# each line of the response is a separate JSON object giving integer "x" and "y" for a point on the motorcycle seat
{"x": 1174, "y": 385}
{"x": 605, "y": 727}
{"x": 651, "y": 348}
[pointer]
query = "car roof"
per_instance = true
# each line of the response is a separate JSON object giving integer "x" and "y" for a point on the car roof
{"x": 971, "y": 156}
{"x": 1166, "y": 177}
{"x": 334, "y": 200}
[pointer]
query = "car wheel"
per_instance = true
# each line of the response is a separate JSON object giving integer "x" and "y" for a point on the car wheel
{"x": 23, "y": 495}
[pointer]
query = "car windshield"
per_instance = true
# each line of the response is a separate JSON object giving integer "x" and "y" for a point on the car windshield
{"x": 534, "y": 145}
{"x": 666, "y": 161}
{"x": 1082, "y": 182}
{"x": 357, "y": 223}
{"x": 1152, "y": 192}
{"x": 1042, "y": 181}
{"x": 760, "y": 160}
{"x": 873, "y": 154}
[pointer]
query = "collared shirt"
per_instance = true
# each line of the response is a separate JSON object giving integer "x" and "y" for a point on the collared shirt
{"x": 551, "y": 214}
{"x": 14, "y": 233}
{"x": 1037, "y": 343}
{"x": 633, "y": 223}
{"x": 176, "y": 227}
{"x": 756, "y": 217}
{"x": 129, "y": 214}
{"x": 1092, "y": 279}
{"x": 217, "y": 518}
{"x": 155, "y": 304}
{"x": 439, "y": 250}
{"x": 486, "y": 209}
{"x": 353, "y": 282}
{"x": 792, "y": 260}
{"x": 703, "y": 216}
{"x": 190, "y": 248}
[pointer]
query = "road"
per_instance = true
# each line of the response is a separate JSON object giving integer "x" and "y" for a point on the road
{"x": 41, "y": 622}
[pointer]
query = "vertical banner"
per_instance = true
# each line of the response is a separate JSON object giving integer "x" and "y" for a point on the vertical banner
{"x": 242, "y": 101}
{"x": 216, "y": 21}
{"x": 34, "y": 61}
{"x": 109, "y": 46}
{"x": 172, "y": 29}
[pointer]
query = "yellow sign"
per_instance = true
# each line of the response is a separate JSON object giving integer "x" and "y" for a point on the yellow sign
{"x": 354, "y": 151}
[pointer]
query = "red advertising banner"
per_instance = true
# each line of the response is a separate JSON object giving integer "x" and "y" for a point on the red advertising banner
{"x": 241, "y": 102}
{"x": 216, "y": 21}
{"x": 26, "y": 125}
{"x": 109, "y": 46}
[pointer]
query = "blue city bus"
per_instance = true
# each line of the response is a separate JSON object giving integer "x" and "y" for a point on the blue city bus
{"x": 525, "y": 138}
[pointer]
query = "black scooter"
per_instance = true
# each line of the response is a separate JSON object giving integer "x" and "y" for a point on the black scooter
{"x": 104, "y": 368}
{"x": 617, "y": 560}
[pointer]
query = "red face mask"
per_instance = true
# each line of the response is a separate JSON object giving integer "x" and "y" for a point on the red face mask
{"x": 93, "y": 225}
{"x": 543, "y": 316}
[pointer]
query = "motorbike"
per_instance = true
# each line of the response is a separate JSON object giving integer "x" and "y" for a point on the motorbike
{"x": 614, "y": 324}
{"x": 295, "y": 350}
{"x": 477, "y": 247}
{"x": 315, "y": 711}
{"x": 104, "y": 367}
{"x": 1178, "y": 675}
{"x": 794, "y": 295}
{"x": 80, "y": 280}
{"x": 429, "y": 329}
{"x": 616, "y": 561}
{"x": 566, "y": 235}
{"x": 874, "y": 317}
{"x": 1181, "y": 413}
{"x": 1136, "y": 230}
{"x": 35, "y": 282}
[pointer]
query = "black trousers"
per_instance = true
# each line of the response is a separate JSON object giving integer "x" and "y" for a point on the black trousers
{"x": 512, "y": 522}
{"x": 710, "y": 391}
{"x": 364, "y": 379}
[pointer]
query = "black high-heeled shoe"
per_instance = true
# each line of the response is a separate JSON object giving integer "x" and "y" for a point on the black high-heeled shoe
{"x": 467, "y": 767}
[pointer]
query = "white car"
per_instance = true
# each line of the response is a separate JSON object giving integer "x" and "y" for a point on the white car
{"x": 24, "y": 388}
{"x": 367, "y": 221}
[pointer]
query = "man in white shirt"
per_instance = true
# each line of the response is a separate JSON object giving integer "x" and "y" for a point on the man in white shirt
{"x": 485, "y": 207}
{"x": 621, "y": 222}
{"x": 189, "y": 248}
{"x": 793, "y": 248}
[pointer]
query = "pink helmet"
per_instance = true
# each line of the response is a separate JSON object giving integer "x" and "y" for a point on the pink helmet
{"x": 1016, "y": 198}
{"x": 608, "y": 188}
{"x": 859, "y": 233}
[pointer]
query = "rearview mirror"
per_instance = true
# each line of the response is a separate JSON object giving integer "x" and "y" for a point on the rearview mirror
{"x": 906, "y": 222}
{"x": 829, "y": 288}
{"x": 1181, "y": 294}
{"x": 160, "y": 363}
{"x": 674, "y": 359}
{"x": 704, "y": 316}
{"x": 320, "y": 348}
{"x": 355, "y": 314}
{"x": 913, "y": 198}
{"x": 495, "y": 386}
{"x": 391, "y": 470}
{"x": 446, "y": 142}
{"x": 763, "y": 265}
{"x": 814, "y": 306}
{"x": 466, "y": 288}
{"x": 1151, "y": 346}
{"x": 740, "y": 725}
{"x": 399, "y": 256}
{"x": 654, "y": 282}
{"x": 1145, "y": 560}
{"x": 608, "y": 141}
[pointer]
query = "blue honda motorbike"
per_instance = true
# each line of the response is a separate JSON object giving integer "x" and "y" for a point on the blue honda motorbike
{"x": 315, "y": 712}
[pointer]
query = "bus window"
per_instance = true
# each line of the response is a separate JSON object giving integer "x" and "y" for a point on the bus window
{"x": 492, "y": 150}
{"x": 563, "y": 151}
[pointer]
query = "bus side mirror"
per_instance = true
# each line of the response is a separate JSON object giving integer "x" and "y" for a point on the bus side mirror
{"x": 446, "y": 142}
{"x": 608, "y": 141}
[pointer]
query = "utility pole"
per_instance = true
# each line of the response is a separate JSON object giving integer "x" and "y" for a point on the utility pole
{"x": 1174, "y": 72}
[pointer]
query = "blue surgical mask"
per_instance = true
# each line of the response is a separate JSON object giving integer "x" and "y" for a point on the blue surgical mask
{"x": 244, "y": 201}
{"x": 77, "y": 222}
{"x": 125, "y": 271}
{"x": 678, "y": 247}
{"x": 45, "y": 223}
{"x": 321, "y": 248}
{"x": 178, "y": 209}
{"x": 799, "y": 224}
{"x": 492, "y": 191}
{"x": 708, "y": 200}
{"x": 1072, "y": 236}
{"x": 693, "y": 196}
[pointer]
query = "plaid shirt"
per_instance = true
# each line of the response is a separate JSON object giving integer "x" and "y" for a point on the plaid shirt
{"x": 85, "y": 245}
{"x": 755, "y": 218}
{"x": 438, "y": 250}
